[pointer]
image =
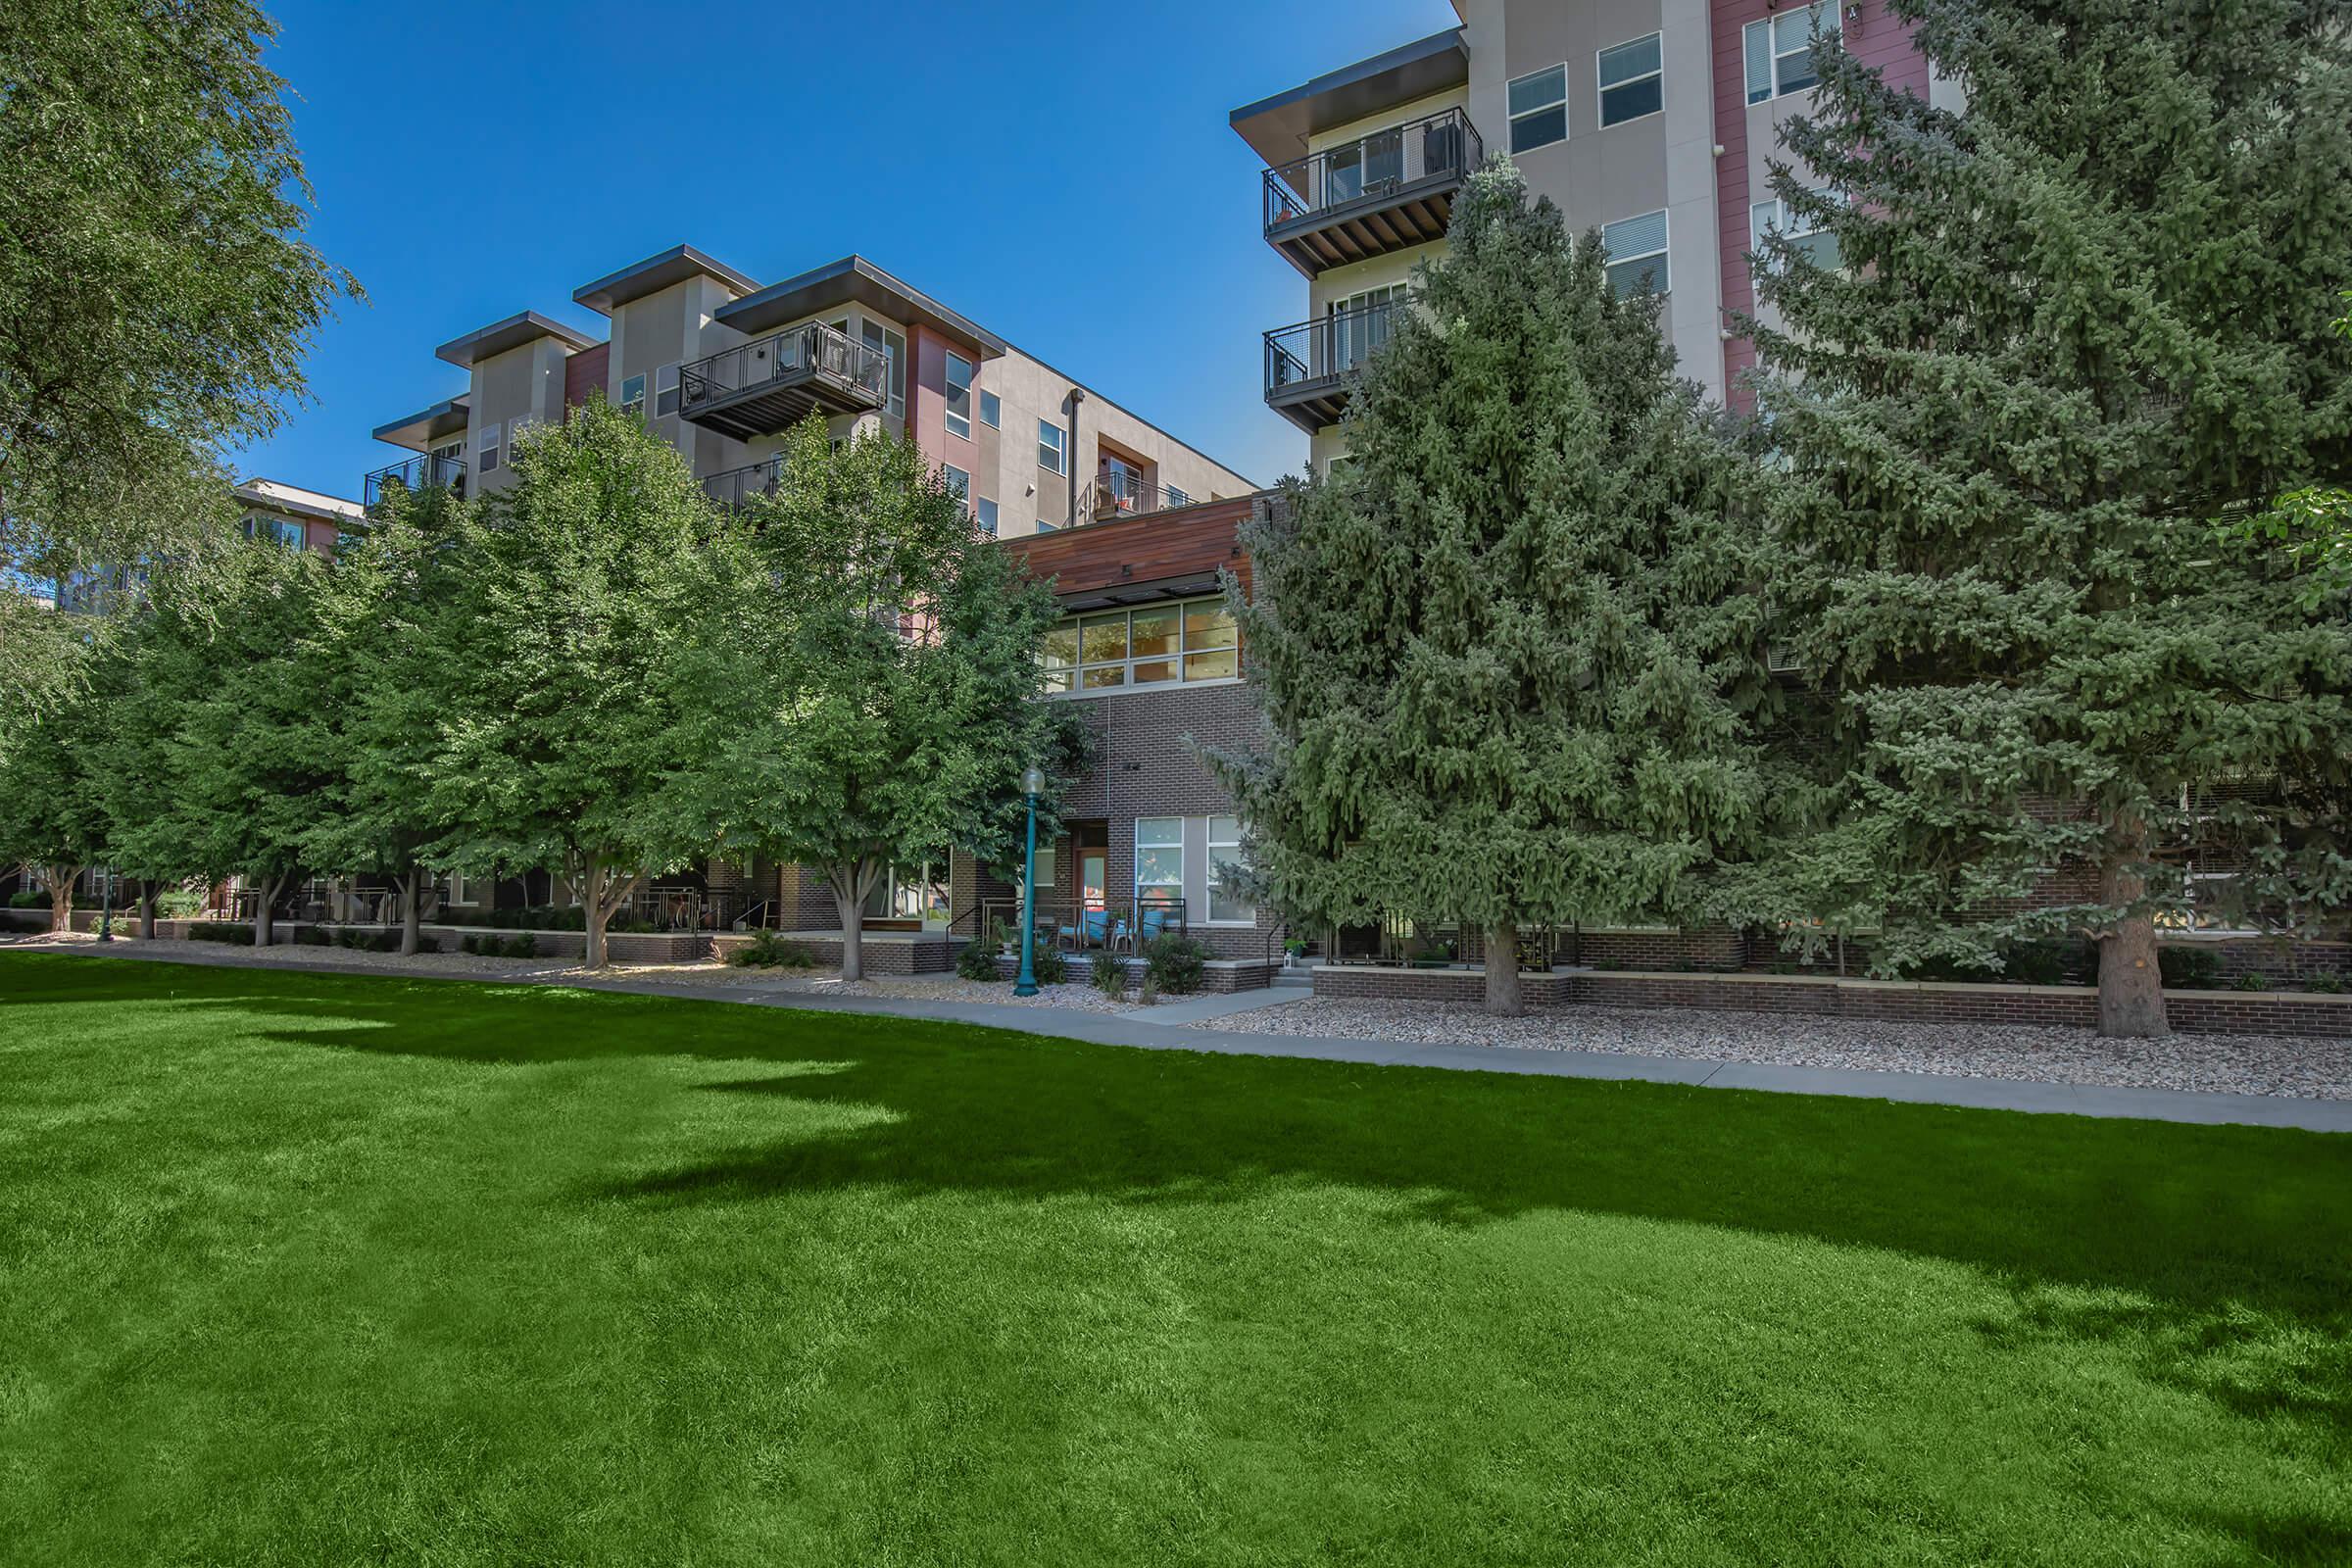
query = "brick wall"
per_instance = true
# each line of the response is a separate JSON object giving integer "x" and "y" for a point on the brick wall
{"x": 882, "y": 954}
{"x": 1220, "y": 977}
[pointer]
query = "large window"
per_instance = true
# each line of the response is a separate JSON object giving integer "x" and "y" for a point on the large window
{"x": 1161, "y": 645}
{"x": 1631, "y": 80}
{"x": 1778, "y": 51}
{"x": 1539, "y": 109}
{"x": 893, "y": 348}
{"x": 1803, "y": 233}
{"x": 1050, "y": 454}
{"x": 1637, "y": 252}
{"x": 1159, "y": 859}
{"x": 959, "y": 396}
{"x": 1225, "y": 850}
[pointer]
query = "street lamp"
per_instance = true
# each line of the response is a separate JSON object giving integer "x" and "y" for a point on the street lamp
{"x": 1033, "y": 784}
{"x": 106, "y": 917}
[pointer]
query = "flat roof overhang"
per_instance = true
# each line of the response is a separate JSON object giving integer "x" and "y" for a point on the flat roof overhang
{"x": 499, "y": 337}
{"x": 1312, "y": 405}
{"x": 657, "y": 273}
{"x": 1277, "y": 129}
{"x": 854, "y": 279}
{"x": 425, "y": 426}
{"x": 1119, "y": 595}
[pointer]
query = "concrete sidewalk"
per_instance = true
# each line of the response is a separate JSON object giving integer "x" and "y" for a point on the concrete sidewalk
{"x": 1166, "y": 1029}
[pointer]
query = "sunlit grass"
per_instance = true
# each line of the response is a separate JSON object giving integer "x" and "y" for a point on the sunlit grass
{"x": 299, "y": 1268}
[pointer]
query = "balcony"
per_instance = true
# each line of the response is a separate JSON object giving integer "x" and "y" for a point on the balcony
{"x": 1379, "y": 193}
{"x": 1116, "y": 493}
{"x": 774, "y": 382}
{"x": 1310, "y": 367}
{"x": 736, "y": 486}
{"x": 420, "y": 472}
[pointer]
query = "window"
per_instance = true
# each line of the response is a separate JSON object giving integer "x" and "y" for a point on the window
{"x": 986, "y": 511}
{"x": 893, "y": 348}
{"x": 1359, "y": 324}
{"x": 1177, "y": 498}
{"x": 665, "y": 390}
{"x": 959, "y": 396}
{"x": 1159, "y": 859}
{"x": 632, "y": 396}
{"x": 274, "y": 530}
{"x": 1637, "y": 252}
{"x": 486, "y": 449}
{"x": 959, "y": 483}
{"x": 1225, "y": 850}
{"x": 989, "y": 409}
{"x": 1050, "y": 456}
{"x": 1158, "y": 644}
{"x": 1631, "y": 80}
{"x": 1779, "y": 58}
{"x": 1042, "y": 526}
{"x": 1539, "y": 109}
{"x": 1766, "y": 218}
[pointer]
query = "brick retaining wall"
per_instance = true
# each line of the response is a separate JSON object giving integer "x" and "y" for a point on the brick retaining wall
{"x": 1220, "y": 977}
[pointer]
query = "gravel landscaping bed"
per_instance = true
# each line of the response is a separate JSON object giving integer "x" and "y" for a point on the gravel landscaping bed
{"x": 2237, "y": 1065}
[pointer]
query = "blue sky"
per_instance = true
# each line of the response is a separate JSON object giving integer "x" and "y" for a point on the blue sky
{"x": 1062, "y": 173}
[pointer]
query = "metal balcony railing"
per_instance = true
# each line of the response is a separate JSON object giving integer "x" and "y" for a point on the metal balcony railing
{"x": 773, "y": 381}
{"x": 735, "y": 486}
{"x": 1443, "y": 147}
{"x": 1326, "y": 347}
{"x": 420, "y": 472}
{"x": 1115, "y": 493}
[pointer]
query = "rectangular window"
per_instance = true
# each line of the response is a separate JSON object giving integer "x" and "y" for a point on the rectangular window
{"x": 1765, "y": 219}
{"x": 959, "y": 396}
{"x": 1156, "y": 645}
{"x": 1637, "y": 252}
{"x": 1212, "y": 641}
{"x": 959, "y": 483}
{"x": 632, "y": 396}
{"x": 1156, "y": 640}
{"x": 991, "y": 411}
{"x": 1050, "y": 456}
{"x": 892, "y": 347}
{"x": 986, "y": 511}
{"x": 486, "y": 453}
{"x": 1633, "y": 80}
{"x": 1177, "y": 498}
{"x": 1778, "y": 51}
{"x": 665, "y": 390}
{"x": 1539, "y": 104}
{"x": 1159, "y": 859}
{"x": 1225, "y": 850}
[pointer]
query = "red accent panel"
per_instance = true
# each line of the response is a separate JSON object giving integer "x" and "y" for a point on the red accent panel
{"x": 1171, "y": 543}
{"x": 584, "y": 373}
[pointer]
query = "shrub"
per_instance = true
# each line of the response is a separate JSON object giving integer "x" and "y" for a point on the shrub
{"x": 2251, "y": 980}
{"x": 177, "y": 904}
{"x": 1175, "y": 964}
{"x": 1107, "y": 975}
{"x": 2324, "y": 984}
{"x": 29, "y": 899}
{"x": 977, "y": 960}
{"x": 767, "y": 951}
{"x": 236, "y": 935}
{"x": 2051, "y": 963}
{"x": 314, "y": 936}
{"x": 2188, "y": 968}
{"x": 525, "y": 945}
{"x": 1050, "y": 967}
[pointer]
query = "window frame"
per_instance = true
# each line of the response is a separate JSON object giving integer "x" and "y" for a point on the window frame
{"x": 951, "y": 393}
{"x": 1774, "y": 54}
{"x": 1137, "y": 884}
{"x": 986, "y": 512}
{"x": 1514, "y": 117}
{"x": 487, "y": 447}
{"x": 1071, "y": 680}
{"x": 992, "y": 411}
{"x": 1779, "y": 224}
{"x": 1602, "y": 87}
{"x": 1059, "y": 444}
{"x": 958, "y": 481}
{"x": 1663, "y": 273}
{"x": 1210, "y": 844}
{"x": 665, "y": 398}
{"x": 633, "y": 405}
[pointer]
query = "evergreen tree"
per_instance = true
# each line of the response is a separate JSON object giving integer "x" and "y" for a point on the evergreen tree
{"x": 2063, "y": 332}
{"x": 1509, "y": 657}
{"x": 562, "y": 717}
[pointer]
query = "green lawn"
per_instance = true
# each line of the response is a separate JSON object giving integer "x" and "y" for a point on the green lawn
{"x": 313, "y": 1270}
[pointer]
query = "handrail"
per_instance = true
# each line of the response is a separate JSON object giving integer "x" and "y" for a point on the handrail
{"x": 1436, "y": 146}
{"x": 810, "y": 346}
{"x": 423, "y": 472}
{"x": 732, "y": 487}
{"x": 1328, "y": 346}
{"x": 1111, "y": 495}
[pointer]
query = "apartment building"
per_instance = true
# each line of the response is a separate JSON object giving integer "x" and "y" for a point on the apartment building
{"x": 721, "y": 366}
{"x": 298, "y": 518}
{"x": 1651, "y": 121}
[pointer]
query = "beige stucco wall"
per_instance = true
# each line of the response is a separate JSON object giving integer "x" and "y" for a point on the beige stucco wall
{"x": 525, "y": 382}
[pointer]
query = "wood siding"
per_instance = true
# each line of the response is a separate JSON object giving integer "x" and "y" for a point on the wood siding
{"x": 1186, "y": 541}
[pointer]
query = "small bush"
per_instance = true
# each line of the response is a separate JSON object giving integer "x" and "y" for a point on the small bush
{"x": 236, "y": 935}
{"x": 1175, "y": 964}
{"x": 1050, "y": 967}
{"x": 767, "y": 951}
{"x": 314, "y": 936}
{"x": 2188, "y": 968}
{"x": 2324, "y": 984}
{"x": 1107, "y": 975}
{"x": 178, "y": 904}
{"x": 2251, "y": 980}
{"x": 29, "y": 899}
{"x": 525, "y": 945}
{"x": 977, "y": 960}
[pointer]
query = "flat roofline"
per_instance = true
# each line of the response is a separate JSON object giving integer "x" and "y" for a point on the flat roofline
{"x": 656, "y": 272}
{"x": 445, "y": 417}
{"x": 1277, "y": 129}
{"x": 277, "y": 496}
{"x": 1155, "y": 428}
{"x": 854, "y": 279}
{"x": 524, "y": 326}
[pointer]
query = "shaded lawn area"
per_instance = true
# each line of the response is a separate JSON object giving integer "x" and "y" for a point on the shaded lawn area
{"x": 301, "y": 1268}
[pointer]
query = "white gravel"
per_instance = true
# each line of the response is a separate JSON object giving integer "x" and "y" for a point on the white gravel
{"x": 2235, "y": 1064}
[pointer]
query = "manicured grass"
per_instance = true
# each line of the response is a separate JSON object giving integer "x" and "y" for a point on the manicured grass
{"x": 305, "y": 1269}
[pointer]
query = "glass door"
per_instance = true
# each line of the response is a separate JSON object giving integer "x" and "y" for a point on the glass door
{"x": 1093, "y": 878}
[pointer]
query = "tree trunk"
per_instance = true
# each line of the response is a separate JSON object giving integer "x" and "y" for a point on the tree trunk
{"x": 593, "y": 885}
{"x": 264, "y": 920}
{"x": 411, "y": 913}
{"x": 1502, "y": 972}
{"x": 851, "y": 913}
{"x": 61, "y": 880}
{"x": 2130, "y": 981}
{"x": 147, "y": 911}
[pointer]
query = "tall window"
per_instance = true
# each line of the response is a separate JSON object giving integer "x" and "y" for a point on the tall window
{"x": 959, "y": 396}
{"x": 1050, "y": 454}
{"x": 1631, "y": 80}
{"x": 1159, "y": 859}
{"x": 1539, "y": 109}
{"x": 632, "y": 396}
{"x": 1359, "y": 324}
{"x": 665, "y": 390}
{"x": 1158, "y": 644}
{"x": 986, "y": 511}
{"x": 959, "y": 483}
{"x": 486, "y": 449}
{"x": 991, "y": 411}
{"x": 1225, "y": 850}
{"x": 1637, "y": 252}
{"x": 893, "y": 348}
{"x": 1779, "y": 57}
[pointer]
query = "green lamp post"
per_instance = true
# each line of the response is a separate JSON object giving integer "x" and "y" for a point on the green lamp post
{"x": 1033, "y": 784}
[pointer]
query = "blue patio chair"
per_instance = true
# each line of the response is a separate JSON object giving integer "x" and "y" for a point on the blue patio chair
{"x": 1152, "y": 923}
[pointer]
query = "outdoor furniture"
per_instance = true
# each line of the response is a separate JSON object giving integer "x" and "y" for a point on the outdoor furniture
{"x": 1093, "y": 930}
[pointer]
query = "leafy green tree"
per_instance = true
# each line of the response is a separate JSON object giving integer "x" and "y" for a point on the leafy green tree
{"x": 881, "y": 708}
{"x": 1510, "y": 657}
{"x": 50, "y": 819}
{"x": 156, "y": 292}
{"x": 2064, "y": 332}
{"x": 153, "y": 669}
{"x": 559, "y": 665}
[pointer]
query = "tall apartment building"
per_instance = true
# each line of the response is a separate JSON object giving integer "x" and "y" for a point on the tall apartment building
{"x": 1652, "y": 120}
{"x": 721, "y": 366}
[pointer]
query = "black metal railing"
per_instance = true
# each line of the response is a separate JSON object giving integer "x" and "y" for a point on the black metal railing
{"x": 1115, "y": 493}
{"x": 736, "y": 486}
{"x": 422, "y": 471}
{"x": 777, "y": 357}
{"x": 1328, "y": 346}
{"x": 1441, "y": 146}
{"x": 1077, "y": 926}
